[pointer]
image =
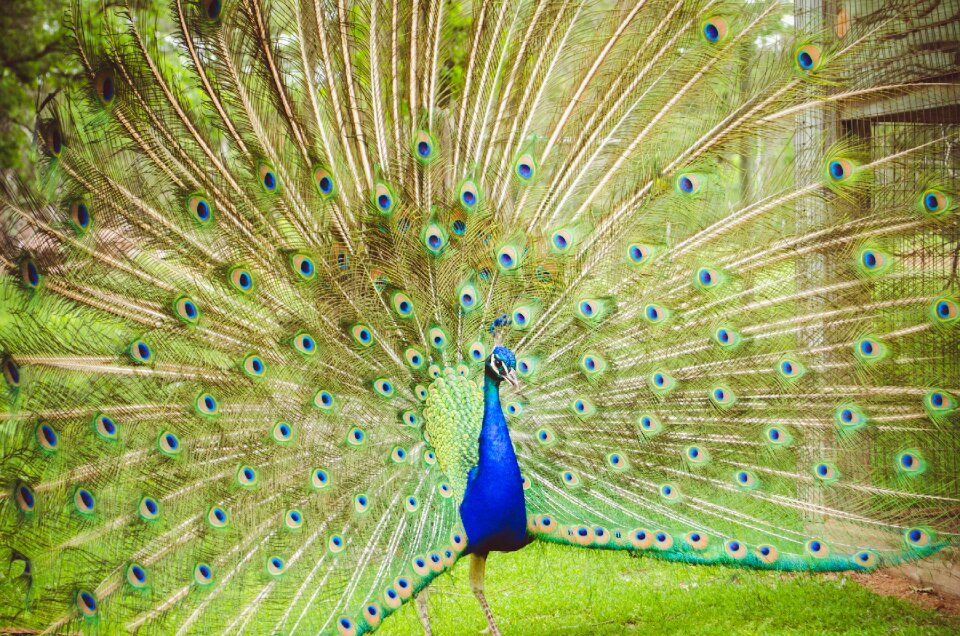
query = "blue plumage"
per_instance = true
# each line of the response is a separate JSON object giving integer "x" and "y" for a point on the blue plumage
{"x": 493, "y": 511}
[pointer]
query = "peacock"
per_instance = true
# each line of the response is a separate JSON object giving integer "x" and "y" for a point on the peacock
{"x": 313, "y": 299}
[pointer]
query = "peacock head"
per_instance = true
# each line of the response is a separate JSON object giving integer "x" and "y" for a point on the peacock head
{"x": 502, "y": 365}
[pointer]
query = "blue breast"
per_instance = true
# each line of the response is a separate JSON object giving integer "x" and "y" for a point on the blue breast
{"x": 493, "y": 512}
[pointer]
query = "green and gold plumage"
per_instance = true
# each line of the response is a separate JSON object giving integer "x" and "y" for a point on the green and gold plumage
{"x": 244, "y": 314}
{"x": 453, "y": 413}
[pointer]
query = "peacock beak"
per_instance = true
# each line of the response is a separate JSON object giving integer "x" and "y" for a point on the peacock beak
{"x": 511, "y": 377}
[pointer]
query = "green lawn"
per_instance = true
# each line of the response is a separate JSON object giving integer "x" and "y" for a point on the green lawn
{"x": 549, "y": 589}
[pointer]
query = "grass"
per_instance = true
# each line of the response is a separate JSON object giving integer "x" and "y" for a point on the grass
{"x": 550, "y": 589}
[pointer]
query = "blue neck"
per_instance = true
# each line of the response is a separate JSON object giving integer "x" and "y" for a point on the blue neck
{"x": 496, "y": 450}
{"x": 493, "y": 511}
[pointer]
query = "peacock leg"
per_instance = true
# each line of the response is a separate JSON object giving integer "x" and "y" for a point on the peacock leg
{"x": 478, "y": 564}
{"x": 423, "y": 612}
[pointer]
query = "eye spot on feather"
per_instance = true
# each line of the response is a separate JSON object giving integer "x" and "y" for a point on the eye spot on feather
{"x": 910, "y": 463}
{"x": 84, "y": 501}
{"x": 865, "y": 560}
{"x": 52, "y": 136}
{"x": 137, "y": 576}
{"x": 727, "y": 338}
{"x": 939, "y": 403}
{"x": 478, "y": 352}
{"x": 768, "y": 554}
{"x": 849, "y": 418}
{"x": 356, "y": 437}
{"x": 80, "y": 216}
{"x": 525, "y": 167}
{"x": 323, "y": 400}
{"x": 945, "y": 311}
{"x": 148, "y": 509}
{"x": 140, "y": 352}
{"x": 670, "y": 493}
{"x": 217, "y": 517}
{"x": 826, "y": 473}
{"x": 583, "y": 408}
{"x": 168, "y": 444}
{"x": 468, "y": 298}
{"x": 254, "y": 366}
{"x": 469, "y": 197}
{"x": 641, "y": 539}
{"x": 320, "y": 479}
{"x": 746, "y": 480}
{"x": 649, "y": 425}
{"x": 336, "y": 544}
{"x": 697, "y": 540}
{"x": 362, "y": 335}
{"x": 722, "y": 397}
{"x": 420, "y": 566}
{"x": 570, "y": 479}
{"x": 411, "y": 504}
{"x": 246, "y": 477}
{"x": 323, "y": 180}
{"x": 293, "y": 519}
{"x": 438, "y": 338}
{"x": 372, "y": 614}
{"x": 808, "y": 58}
{"x": 656, "y": 314}
{"x": 202, "y": 574}
{"x": 187, "y": 310}
{"x": 918, "y": 537}
{"x": 87, "y": 603}
{"x": 423, "y": 147}
{"x": 617, "y": 462}
{"x": 383, "y": 387}
{"x": 275, "y": 566}
{"x": 508, "y": 258}
{"x": 241, "y": 279}
{"x": 26, "y": 498}
{"x": 11, "y": 373}
{"x": 383, "y": 199}
{"x": 361, "y": 503}
{"x": 206, "y": 405}
{"x": 708, "y": 278}
{"x": 638, "y": 253}
{"x": 546, "y": 437}
{"x": 735, "y": 550}
{"x": 434, "y": 239}
{"x": 392, "y": 598}
{"x": 47, "y": 438}
{"x": 302, "y": 266}
{"x": 105, "y": 427}
{"x": 662, "y": 540}
{"x": 661, "y": 383}
{"x": 840, "y": 170}
{"x": 200, "y": 209}
{"x": 268, "y": 179}
{"x": 688, "y": 183}
{"x": 714, "y": 30}
{"x": 816, "y": 548}
{"x": 935, "y": 202}
{"x": 398, "y": 455}
{"x": 696, "y": 455}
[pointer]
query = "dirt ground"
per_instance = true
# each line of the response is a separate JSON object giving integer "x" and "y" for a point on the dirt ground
{"x": 901, "y": 587}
